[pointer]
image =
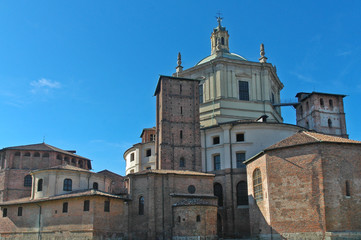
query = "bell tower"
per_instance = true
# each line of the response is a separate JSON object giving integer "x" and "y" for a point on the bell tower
{"x": 219, "y": 38}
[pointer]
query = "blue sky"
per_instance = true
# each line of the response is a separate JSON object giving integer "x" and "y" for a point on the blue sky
{"x": 82, "y": 73}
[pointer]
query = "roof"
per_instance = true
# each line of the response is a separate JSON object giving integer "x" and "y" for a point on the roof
{"x": 43, "y": 147}
{"x": 147, "y": 129}
{"x": 228, "y": 55}
{"x": 303, "y": 138}
{"x": 64, "y": 167}
{"x": 177, "y": 172}
{"x": 321, "y": 93}
{"x": 178, "y": 78}
{"x": 82, "y": 193}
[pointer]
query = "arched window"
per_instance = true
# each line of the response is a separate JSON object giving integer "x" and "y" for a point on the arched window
{"x": 68, "y": 184}
{"x": 218, "y": 192}
{"x": 45, "y": 155}
{"x": 95, "y": 185}
{"x": 141, "y": 206}
{"x": 330, "y": 102}
{"x": 321, "y": 102}
{"x": 73, "y": 161}
{"x": 40, "y": 185}
{"x": 257, "y": 185}
{"x": 242, "y": 193}
{"x": 27, "y": 181}
{"x": 27, "y": 154}
{"x": 329, "y": 123}
{"x": 182, "y": 162}
{"x": 348, "y": 193}
{"x": 222, "y": 40}
{"x": 36, "y": 154}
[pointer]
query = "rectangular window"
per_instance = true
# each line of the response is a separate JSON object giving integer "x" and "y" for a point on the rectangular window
{"x": 243, "y": 90}
{"x": 20, "y": 211}
{"x": 106, "y": 206}
{"x": 5, "y": 212}
{"x": 65, "y": 207}
{"x": 201, "y": 93}
{"x": 240, "y": 137}
{"x": 132, "y": 157}
{"x": 216, "y": 140}
{"x": 148, "y": 152}
{"x": 217, "y": 162}
{"x": 241, "y": 157}
{"x": 86, "y": 205}
{"x": 152, "y": 137}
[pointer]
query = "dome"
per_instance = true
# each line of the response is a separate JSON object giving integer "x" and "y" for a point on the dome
{"x": 232, "y": 56}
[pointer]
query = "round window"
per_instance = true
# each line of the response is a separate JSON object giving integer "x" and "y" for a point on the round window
{"x": 191, "y": 189}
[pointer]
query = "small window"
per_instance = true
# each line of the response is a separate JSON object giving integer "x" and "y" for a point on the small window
{"x": 307, "y": 106}
{"x": 148, "y": 152}
{"x": 68, "y": 184}
{"x": 152, "y": 137}
{"x": 330, "y": 103}
{"x": 257, "y": 185}
{"x": 86, "y": 205}
{"x": 301, "y": 110}
{"x": 95, "y": 185}
{"x": 141, "y": 206}
{"x": 243, "y": 91}
{"x": 106, "y": 206}
{"x": 59, "y": 157}
{"x": 240, "y": 137}
{"x": 198, "y": 218}
{"x": 182, "y": 162}
{"x": 215, "y": 140}
{"x": 20, "y": 211}
{"x": 73, "y": 161}
{"x": 222, "y": 40}
{"x": 191, "y": 189}
{"x": 217, "y": 162}
{"x": 181, "y": 134}
{"x": 132, "y": 157}
{"x": 65, "y": 207}
{"x": 179, "y": 219}
{"x": 321, "y": 102}
{"x": 240, "y": 157}
{"x": 348, "y": 192}
{"x": 37, "y": 154}
{"x": 180, "y": 89}
{"x": 80, "y": 163}
{"x": 148, "y": 168}
{"x": 40, "y": 185}
{"x": 27, "y": 181}
{"x": 5, "y": 212}
{"x": 45, "y": 155}
{"x": 218, "y": 192}
{"x": 17, "y": 154}
{"x": 329, "y": 123}
{"x": 181, "y": 110}
{"x": 27, "y": 154}
{"x": 272, "y": 98}
{"x": 307, "y": 125}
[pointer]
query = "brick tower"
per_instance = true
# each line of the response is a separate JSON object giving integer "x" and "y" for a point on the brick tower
{"x": 178, "y": 145}
{"x": 322, "y": 112}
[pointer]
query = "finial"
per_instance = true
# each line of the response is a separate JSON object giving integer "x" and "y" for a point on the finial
{"x": 179, "y": 67}
{"x": 219, "y": 18}
{"x": 263, "y": 58}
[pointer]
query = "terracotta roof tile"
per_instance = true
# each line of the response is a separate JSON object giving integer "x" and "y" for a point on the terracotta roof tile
{"x": 179, "y": 172}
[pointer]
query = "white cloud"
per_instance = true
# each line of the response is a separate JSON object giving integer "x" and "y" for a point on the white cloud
{"x": 44, "y": 85}
{"x": 303, "y": 77}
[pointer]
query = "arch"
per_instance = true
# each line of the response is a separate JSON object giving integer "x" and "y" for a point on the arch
{"x": 242, "y": 193}
{"x": 40, "y": 185}
{"x": 95, "y": 185}
{"x": 28, "y": 181}
{"x": 36, "y": 154}
{"x": 329, "y": 122}
{"x": 141, "y": 206}
{"x": 257, "y": 185}
{"x": 218, "y": 192}
{"x": 68, "y": 184}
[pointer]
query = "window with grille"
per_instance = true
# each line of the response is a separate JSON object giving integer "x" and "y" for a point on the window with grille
{"x": 240, "y": 157}
{"x": 217, "y": 162}
{"x": 68, "y": 184}
{"x": 243, "y": 90}
{"x": 27, "y": 181}
{"x": 257, "y": 185}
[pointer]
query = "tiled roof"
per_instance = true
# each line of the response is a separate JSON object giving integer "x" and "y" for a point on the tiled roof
{"x": 310, "y": 137}
{"x": 82, "y": 193}
{"x": 43, "y": 147}
{"x": 64, "y": 167}
{"x": 178, "y": 172}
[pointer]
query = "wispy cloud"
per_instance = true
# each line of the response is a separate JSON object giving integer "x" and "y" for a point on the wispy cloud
{"x": 343, "y": 53}
{"x": 44, "y": 85}
{"x": 303, "y": 77}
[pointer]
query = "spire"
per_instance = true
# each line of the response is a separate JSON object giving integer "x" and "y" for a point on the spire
{"x": 179, "y": 67}
{"x": 263, "y": 58}
{"x": 219, "y": 38}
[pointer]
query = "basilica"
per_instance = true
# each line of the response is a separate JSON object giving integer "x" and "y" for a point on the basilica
{"x": 218, "y": 164}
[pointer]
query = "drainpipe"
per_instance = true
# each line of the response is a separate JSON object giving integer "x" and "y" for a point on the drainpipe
{"x": 39, "y": 222}
{"x": 231, "y": 159}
